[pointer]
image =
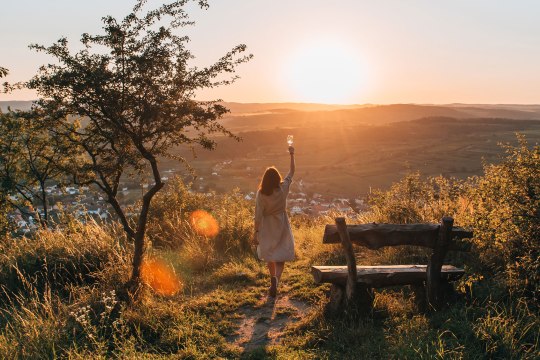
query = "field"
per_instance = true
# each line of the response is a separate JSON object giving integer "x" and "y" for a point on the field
{"x": 346, "y": 151}
{"x": 361, "y": 149}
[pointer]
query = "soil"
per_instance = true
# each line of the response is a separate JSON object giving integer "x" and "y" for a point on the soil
{"x": 264, "y": 323}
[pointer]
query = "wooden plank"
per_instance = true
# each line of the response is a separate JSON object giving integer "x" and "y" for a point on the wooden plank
{"x": 382, "y": 275}
{"x": 375, "y": 236}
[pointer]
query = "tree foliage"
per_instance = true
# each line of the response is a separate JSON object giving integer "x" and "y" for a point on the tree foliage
{"x": 3, "y": 73}
{"x": 133, "y": 90}
{"x": 506, "y": 217}
{"x": 30, "y": 157}
{"x": 415, "y": 200}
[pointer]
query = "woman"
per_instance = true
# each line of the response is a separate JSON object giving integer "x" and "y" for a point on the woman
{"x": 272, "y": 228}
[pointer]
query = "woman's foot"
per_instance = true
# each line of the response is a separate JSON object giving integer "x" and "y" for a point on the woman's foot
{"x": 273, "y": 287}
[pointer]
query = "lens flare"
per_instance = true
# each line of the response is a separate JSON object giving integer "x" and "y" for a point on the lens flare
{"x": 204, "y": 224}
{"x": 160, "y": 277}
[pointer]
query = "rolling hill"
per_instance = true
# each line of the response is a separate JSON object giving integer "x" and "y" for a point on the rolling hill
{"x": 348, "y": 150}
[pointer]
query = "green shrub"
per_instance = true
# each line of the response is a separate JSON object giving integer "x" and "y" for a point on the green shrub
{"x": 506, "y": 218}
{"x": 414, "y": 200}
{"x": 502, "y": 207}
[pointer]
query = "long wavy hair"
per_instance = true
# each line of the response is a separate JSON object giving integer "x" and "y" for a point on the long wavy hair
{"x": 270, "y": 181}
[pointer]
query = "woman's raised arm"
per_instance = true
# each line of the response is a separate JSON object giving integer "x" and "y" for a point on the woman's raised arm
{"x": 293, "y": 165}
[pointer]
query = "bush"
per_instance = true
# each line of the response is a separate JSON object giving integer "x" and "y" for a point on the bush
{"x": 414, "y": 200}
{"x": 506, "y": 218}
{"x": 502, "y": 207}
{"x": 170, "y": 225}
{"x": 59, "y": 259}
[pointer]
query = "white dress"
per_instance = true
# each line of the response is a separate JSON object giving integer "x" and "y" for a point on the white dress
{"x": 276, "y": 242}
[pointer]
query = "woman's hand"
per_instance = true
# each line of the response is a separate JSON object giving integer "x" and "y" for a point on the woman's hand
{"x": 291, "y": 150}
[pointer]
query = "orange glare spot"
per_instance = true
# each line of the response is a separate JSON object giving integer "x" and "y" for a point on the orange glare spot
{"x": 160, "y": 277}
{"x": 204, "y": 224}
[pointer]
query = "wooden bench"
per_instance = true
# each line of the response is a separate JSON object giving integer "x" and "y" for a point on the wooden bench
{"x": 354, "y": 284}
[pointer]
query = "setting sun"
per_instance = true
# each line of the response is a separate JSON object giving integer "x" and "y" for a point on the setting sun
{"x": 328, "y": 72}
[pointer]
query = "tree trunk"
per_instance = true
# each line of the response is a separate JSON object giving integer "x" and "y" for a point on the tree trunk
{"x": 45, "y": 220}
{"x": 138, "y": 256}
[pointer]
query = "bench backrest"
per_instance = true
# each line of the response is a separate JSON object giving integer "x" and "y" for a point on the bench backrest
{"x": 374, "y": 236}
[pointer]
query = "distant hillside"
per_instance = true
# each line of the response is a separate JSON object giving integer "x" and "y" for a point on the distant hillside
{"x": 367, "y": 113}
{"x": 375, "y": 115}
{"x": 350, "y": 149}
{"x": 338, "y": 153}
{"x": 234, "y": 107}
{"x": 252, "y": 108}
{"x": 521, "y": 107}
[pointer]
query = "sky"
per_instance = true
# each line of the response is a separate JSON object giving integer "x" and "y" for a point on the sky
{"x": 346, "y": 51}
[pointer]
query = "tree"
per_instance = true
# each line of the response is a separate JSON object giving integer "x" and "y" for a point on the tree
{"x": 30, "y": 156}
{"x": 133, "y": 91}
{"x": 4, "y": 223}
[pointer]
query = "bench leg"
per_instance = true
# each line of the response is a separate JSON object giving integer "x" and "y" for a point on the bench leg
{"x": 445, "y": 295}
{"x": 448, "y": 293}
{"x": 365, "y": 297}
{"x": 337, "y": 299}
{"x": 420, "y": 296}
{"x": 362, "y": 303}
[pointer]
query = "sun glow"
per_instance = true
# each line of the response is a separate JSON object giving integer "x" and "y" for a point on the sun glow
{"x": 327, "y": 72}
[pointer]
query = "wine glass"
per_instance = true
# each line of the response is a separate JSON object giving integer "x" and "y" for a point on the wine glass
{"x": 290, "y": 140}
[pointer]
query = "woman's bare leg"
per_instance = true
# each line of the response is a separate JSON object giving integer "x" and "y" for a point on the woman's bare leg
{"x": 271, "y": 268}
{"x": 279, "y": 266}
{"x": 272, "y": 291}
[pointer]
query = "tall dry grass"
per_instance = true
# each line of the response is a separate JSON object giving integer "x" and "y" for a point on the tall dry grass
{"x": 59, "y": 289}
{"x": 170, "y": 226}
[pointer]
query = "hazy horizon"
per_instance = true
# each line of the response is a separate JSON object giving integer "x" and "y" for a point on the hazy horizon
{"x": 336, "y": 104}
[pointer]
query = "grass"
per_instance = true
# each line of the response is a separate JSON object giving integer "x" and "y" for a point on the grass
{"x": 199, "y": 321}
{"x": 59, "y": 292}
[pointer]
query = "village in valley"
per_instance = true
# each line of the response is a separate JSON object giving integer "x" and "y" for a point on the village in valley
{"x": 86, "y": 203}
{"x": 301, "y": 200}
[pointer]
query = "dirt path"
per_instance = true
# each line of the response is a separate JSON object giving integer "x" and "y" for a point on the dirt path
{"x": 264, "y": 323}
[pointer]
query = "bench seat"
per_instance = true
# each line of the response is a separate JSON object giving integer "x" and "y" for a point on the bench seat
{"x": 382, "y": 275}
